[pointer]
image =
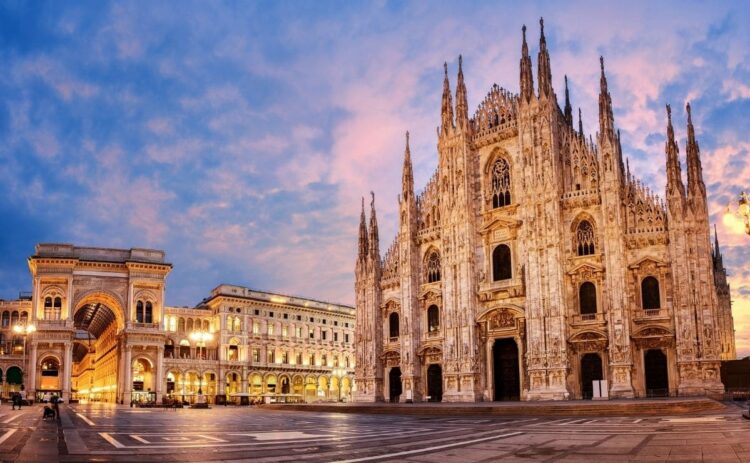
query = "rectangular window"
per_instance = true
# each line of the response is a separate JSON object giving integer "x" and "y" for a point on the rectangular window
{"x": 286, "y": 316}
{"x": 324, "y": 335}
{"x": 335, "y": 323}
{"x": 270, "y": 314}
{"x": 270, "y": 330}
{"x": 256, "y": 328}
{"x": 346, "y": 338}
{"x": 335, "y": 337}
{"x": 257, "y": 312}
{"x": 284, "y": 357}
{"x": 299, "y": 358}
{"x": 312, "y": 319}
{"x": 346, "y": 325}
{"x": 324, "y": 321}
{"x": 312, "y": 335}
{"x": 256, "y": 355}
{"x": 270, "y": 356}
{"x": 299, "y": 331}
{"x": 299, "y": 318}
{"x": 311, "y": 360}
{"x": 283, "y": 332}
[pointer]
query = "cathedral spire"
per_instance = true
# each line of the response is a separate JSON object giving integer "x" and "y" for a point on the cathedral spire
{"x": 462, "y": 106}
{"x": 363, "y": 246}
{"x": 606, "y": 119}
{"x": 527, "y": 78}
{"x": 447, "y": 104}
{"x": 675, "y": 187}
{"x": 568, "y": 108}
{"x": 580, "y": 123}
{"x": 545, "y": 74}
{"x": 695, "y": 185}
{"x": 374, "y": 241}
{"x": 407, "y": 179}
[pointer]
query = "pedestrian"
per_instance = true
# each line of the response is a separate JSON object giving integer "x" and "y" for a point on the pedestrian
{"x": 13, "y": 400}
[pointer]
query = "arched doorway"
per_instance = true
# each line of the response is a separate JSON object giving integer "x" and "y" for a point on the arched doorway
{"x": 657, "y": 377}
{"x": 394, "y": 384}
{"x": 284, "y": 385}
{"x": 95, "y": 356}
{"x": 50, "y": 377}
{"x": 505, "y": 370}
{"x": 591, "y": 370}
{"x": 143, "y": 381}
{"x": 435, "y": 382}
{"x": 14, "y": 378}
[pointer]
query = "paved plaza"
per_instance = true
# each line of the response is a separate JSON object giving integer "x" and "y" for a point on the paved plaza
{"x": 101, "y": 433}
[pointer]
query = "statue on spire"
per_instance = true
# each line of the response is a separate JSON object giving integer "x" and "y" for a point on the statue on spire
{"x": 446, "y": 111}
{"x": 527, "y": 78}
{"x": 462, "y": 105}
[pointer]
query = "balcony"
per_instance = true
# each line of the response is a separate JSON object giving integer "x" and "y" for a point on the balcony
{"x": 589, "y": 319}
{"x": 651, "y": 315}
{"x": 143, "y": 326}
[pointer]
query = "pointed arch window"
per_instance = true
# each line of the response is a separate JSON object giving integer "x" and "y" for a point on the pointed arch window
{"x": 501, "y": 263}
{"x": 433, "y": 267}
{"x": 393, "y": 325}
{"x": 433, "y": 319}
{"x": 584, "y": 239}
{"x": 587, "y": 298}
{"x": 650, "y": 297}
{"x": 500, "y": 183}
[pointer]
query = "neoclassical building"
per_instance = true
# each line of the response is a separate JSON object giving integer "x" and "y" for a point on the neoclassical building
{"x": 534, "y": 262}
{"x": 96, "y": 327}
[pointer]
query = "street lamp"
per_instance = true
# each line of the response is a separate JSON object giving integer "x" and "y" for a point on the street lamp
{"x": 24, "y": 330}
{"x": 742, "y": 212}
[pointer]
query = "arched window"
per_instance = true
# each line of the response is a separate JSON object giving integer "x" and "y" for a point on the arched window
{"x": 24, "y": 317}
{"x": 14, "y": 318}
{"x": 205, "y": 325}
{"x": 500, "y": 183}
{"x": 57, "y": 308}
{"x": 139, "y": 312}
{"x": 433, "y": 319}
{"x": 48, "y": 308}
{"x": 650, "y": 293}
{"x": 501, "y": 264}
{"x": 189, "y": 326}
{"x": 6, "y": 319}
{"x": 587, "y": 298}
{"x": 433, "y": 267}
{"x": 584, "y": 239}
{"x": 149, "y": 316}
{"x": 181, "y": 325}
{"x": 393, "y": 325}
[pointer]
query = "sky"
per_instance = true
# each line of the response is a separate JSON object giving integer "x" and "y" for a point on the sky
{"x": 239, "y": 137}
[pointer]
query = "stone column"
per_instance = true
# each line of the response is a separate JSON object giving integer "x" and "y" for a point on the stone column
{"x": 67, "y": 371}
{"x": 160, "y": 375}
{"x": 128, "y": 386}
{"x": 30, "y": 371}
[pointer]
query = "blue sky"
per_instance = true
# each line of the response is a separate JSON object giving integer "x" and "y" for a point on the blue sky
{"x": 240, "y": 136}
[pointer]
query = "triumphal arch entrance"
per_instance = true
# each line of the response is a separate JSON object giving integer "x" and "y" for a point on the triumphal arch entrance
{"x": 97, "y": 313}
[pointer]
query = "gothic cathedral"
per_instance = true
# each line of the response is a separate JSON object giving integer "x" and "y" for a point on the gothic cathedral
{"x": 534, "y": 263}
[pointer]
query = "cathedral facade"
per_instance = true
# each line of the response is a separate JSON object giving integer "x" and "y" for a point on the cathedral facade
{"x": 534, "y": 263}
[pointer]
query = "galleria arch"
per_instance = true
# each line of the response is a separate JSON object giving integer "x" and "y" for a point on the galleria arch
{"x": 101, "y": 349}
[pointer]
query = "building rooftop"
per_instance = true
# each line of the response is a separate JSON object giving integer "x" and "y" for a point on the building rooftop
{"x": 69, "y": 251}
{"x": 266, "y": 296}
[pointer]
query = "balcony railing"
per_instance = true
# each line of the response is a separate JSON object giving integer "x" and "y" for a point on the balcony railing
{"x": 141, "y": 326}
{"x": 588, "y": 318}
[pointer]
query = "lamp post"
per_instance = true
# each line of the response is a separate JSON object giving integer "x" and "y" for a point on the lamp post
{"x": 742, "y": 212}
{"x": 25, "y": 331}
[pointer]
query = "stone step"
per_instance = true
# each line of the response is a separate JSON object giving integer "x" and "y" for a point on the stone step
{"x": 569, "y": 408}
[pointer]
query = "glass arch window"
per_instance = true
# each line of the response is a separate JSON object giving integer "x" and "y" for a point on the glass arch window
{"x": 393, "y": 325}
{"x": 433, "y": 267}
{"x": 500, "y": 183}
{"x": 433, "y": 319}
{"x": 584, "y": 239}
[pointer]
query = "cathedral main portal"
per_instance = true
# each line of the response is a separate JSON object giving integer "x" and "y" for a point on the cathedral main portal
{"x": 506, "y": 372}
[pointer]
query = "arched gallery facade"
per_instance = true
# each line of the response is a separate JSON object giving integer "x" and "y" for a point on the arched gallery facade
{"x": 95, "y": 328}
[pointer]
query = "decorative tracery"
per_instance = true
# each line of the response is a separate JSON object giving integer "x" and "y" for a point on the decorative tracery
{"x": 584, "y": 239}
{"x": 500, "y": 183}
{"x": 433, "y": 267}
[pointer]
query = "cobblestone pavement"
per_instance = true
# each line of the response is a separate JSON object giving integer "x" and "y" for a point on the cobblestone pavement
{"x": 102, "y": 432}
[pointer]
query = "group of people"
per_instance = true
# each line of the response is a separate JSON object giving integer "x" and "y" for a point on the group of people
{"x": 50, "y": 404}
